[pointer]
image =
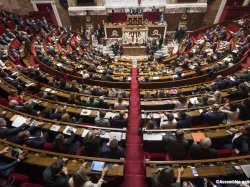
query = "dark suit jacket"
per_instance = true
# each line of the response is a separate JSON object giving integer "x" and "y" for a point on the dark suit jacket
{"x": 54, "y": 181}
{"x": 37, "y": 142}
{"x": 213, "y": 118}
{"x": 118, "y": 122}
{"x": 106, "y": 152}
{"x": 5, "y": 132}
{"x": 92, "y": 148}
{"x": 155, "y": 183}
{"x": 198, "y": 153}
{"x": 184, "y": 123}
{"x": 242, "y": 144}
{"x": 177, "y": 148}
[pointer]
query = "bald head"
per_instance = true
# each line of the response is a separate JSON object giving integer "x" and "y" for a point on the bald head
{"x": 2, "y": 122}
{"x": 215, "y": 107}
{"x": 179, "y": 133}
{"x": 205, "y": 143}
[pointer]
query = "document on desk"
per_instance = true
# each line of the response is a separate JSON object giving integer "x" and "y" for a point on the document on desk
{"x": 155, "y": 78}
{"x": 110, "y": 115}
{"x": 153, "y": 137}
{"x": 246, "y": 169}
{"x": 198, "y": 136}
{"x": 18, "y": 121}
{"x": 85, "y": 112}
{"x": 143, "y": 116}
{"x": 47, "y": 89}
{"x": 85, "y": 132}
{"x": 68, "y": 129}
{"x": 115, "y": 135}
{"x": 55, "y": 128}
{"x": 194, "y": 100}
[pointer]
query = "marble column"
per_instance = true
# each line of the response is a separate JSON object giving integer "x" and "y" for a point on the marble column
{"x": 246, "y": 2}
{"x": 72, "y": 2}
{"x": 99, "y": 2}
{"x": 171, "y": 1}
{"x": 201, "y": 1}
{"x": 222, "y": 6}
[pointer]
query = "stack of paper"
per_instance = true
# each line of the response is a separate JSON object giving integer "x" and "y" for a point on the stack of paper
{"x": 68, "y": 130}
{"x": 55, "y": 128}
{"x": 85, "y": 112}
{"x": 18, "y": 121}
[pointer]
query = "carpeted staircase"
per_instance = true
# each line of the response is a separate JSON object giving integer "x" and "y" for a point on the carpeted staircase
{"x": 134, "y": 159}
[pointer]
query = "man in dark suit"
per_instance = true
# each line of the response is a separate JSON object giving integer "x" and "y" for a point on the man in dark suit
{"x": 213, "y": 116}
{"x": 241, "y": 139}
{"x": 185, "y": 121}
{"x": 220, "y": 83}
{"x": 101, "y": 121}
{"x": 203, "y": 150}
{"x": 56, "y": 175}
{"x": 119, "y": 121}
{"x": 176, "y": 145}
{"x": 111, "y": 150}
{"x": 92, "y": 143}
{"x": 31, "y": 137}
{"x": 7, "y": 168}
{"x": 5, "y": 131}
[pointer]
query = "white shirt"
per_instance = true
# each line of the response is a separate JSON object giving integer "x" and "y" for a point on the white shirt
{"x": 232, "y": 117}
{"x": 87, "y": 184}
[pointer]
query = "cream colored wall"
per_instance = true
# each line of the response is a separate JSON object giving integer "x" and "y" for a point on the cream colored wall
{"x": 212, "y": 10}
{"x": 22, "y": 7}
{"x": 63, "y": 14}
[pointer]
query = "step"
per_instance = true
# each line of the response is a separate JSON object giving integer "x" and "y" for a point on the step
{"x": 134, "y": 152}
{"x": 134, "y": 167}
{"x": 133, "y": 139}
{"x": 134, "y": 181}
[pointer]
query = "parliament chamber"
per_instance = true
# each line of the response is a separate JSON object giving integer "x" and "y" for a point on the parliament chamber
{"x": 125, "y": 93}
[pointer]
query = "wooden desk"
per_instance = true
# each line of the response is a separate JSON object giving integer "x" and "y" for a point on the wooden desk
{"x": 205, "y": 168}
{"x": 43, "y": 158}
{"x": 49, "y": 123}
{"x": 134, "y": 50}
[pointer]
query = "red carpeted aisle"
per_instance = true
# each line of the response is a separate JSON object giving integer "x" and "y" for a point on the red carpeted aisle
{"x": 134, "y": 159}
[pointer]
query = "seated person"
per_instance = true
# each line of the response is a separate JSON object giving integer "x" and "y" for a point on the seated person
{"x": 58, "y": 113}
{"x": 7, "y": 168}
{"x": 241, "y": 139}
{"x": 151, "y": 124}
{"x": 31, "y": 137}
{"x": 100, "y": 121}
{"x": 102, "y": 103}
{"x": 176, "y": 145}
{"x": 245, "y": 110}
{"x": 213, "y": 116}
{"x": 203, "y": 150}
{"x": 119, "y": 121}
{"x": 184, "y": 120}
{"x": 91, "y": 144}
{"x": 91, "y": 102}
{"x": 181, "y": 103}
{"x": 62, "y": 144}
{"x": 80, "y": 179}
{"x": 56, "y": 175}
{"x": 120, "y": 104}
{"x": 164, "y": 177}
{"x": 111, "y": 150}
{"x": 170, "y": 123}
{"x": 232, "y": 112}
{"x": 6, "y": 131}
